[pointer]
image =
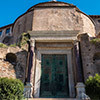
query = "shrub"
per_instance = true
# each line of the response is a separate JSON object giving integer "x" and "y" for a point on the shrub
{"x": 93, "y": 87}
{"x": 11, "y": 89}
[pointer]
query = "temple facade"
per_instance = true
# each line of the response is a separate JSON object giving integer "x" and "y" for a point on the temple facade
{"x": 61, "y": 53}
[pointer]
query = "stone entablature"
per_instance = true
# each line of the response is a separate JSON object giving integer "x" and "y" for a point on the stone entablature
{"x": 54, "y": 36}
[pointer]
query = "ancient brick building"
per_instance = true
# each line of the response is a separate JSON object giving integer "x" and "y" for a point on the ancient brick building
{"x": 61, "y": 52}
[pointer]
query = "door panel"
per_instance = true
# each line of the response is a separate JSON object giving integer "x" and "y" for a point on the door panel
{"x": 46, "y": 75}
{"x": 54, "y": 77}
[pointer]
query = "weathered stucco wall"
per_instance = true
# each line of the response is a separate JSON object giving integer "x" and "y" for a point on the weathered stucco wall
{"x": 53, "y": 16}
{"x": 88, "y": 51}
{"x": 88, "y": 26}
{"x": 56, "y": 19}
{"x": 23, "y": 24}
{"x": 97, "y": 25}
{"x": 62, "y": 19}
{"x": 13, "y": 69}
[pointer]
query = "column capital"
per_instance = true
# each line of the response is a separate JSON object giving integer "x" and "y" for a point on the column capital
{"x": 32, "y": 42}
{"x": 75, "y": 42}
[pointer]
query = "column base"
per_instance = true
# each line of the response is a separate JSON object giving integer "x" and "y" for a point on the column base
{"x": 28, "y": 90}
{"x": 80, "y": 88}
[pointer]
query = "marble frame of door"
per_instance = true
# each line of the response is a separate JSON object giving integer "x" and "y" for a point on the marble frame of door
{"x": 68, "y": 52}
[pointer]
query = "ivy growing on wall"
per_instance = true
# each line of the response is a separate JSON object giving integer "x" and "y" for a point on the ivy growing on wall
{"x": 24, "y": 39}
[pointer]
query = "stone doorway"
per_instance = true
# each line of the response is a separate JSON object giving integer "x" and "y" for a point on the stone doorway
{"x": 54, "y": 76}
{"x": 53, "y": 43}
{"x": 58, "y": 53}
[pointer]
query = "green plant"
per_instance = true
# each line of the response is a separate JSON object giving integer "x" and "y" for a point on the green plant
{"x": 96, "y": 40}
{"x": 11, "y": 89}
{"x": 3, "y": 45}
{"x": 93, "y": 87}
{"x": 12, "y": 45}
{"x": 24, "y": 39}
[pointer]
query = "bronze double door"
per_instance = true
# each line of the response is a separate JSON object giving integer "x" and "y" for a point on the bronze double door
{"x": 54, "y": 76}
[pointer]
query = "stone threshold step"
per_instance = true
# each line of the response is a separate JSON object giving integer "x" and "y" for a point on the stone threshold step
{"x": 52, "y": 99}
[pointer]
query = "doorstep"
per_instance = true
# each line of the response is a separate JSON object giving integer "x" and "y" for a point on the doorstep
{"x": 52, "y": 99}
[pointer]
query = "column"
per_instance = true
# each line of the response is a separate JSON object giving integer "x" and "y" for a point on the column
{"x": 79, "y": 74}
{"x": 31, "y": 67}
{"x": 70, "y": 75}
{"x": 80, "y": 87}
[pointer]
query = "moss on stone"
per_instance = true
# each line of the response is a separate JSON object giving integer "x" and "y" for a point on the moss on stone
{"x": 96, "y": 40}
{"x": 23, "y": 41}
{"x": 2, "y": 45}
{"x": 12, "y": 45}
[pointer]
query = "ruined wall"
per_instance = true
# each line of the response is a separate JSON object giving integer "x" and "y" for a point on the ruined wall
{"x": 7, "y": 69}
{"x": 4, "y": 34}
{"x": 15, "y": 65}
{"x": 88, "y": 51}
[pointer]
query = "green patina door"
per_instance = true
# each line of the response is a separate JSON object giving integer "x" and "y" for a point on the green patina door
{"x": 54, "y": 77}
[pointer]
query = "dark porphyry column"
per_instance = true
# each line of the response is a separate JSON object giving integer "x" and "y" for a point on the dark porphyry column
{"x": 79, "y": 70}
{"x": 80, "y": 87}
{"x": 31, "y": 68}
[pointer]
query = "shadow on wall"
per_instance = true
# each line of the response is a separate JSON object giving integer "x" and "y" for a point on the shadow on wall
{"x": 19, "y": 63}
{"x": 8, "y": 40}
{"x": 11, "y": 58}
{"x": 96, "y": 59}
